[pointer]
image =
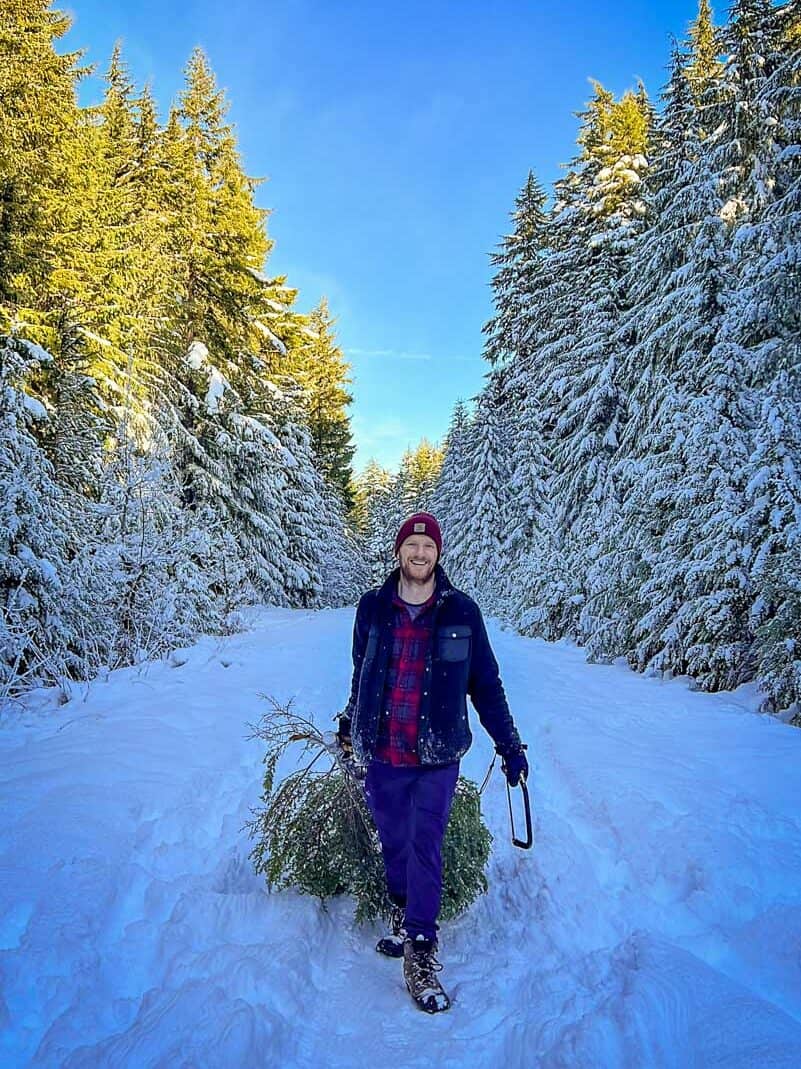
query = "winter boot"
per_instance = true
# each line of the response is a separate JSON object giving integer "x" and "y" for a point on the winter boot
{"x": 420, "y": 969}
{"x": 392, "y": 944}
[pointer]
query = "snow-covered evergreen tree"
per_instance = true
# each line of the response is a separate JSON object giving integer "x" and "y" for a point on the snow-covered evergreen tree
{"x": 33, "y": 542}
{"x": 777, "y": 651}
{"x": 584, "y": 407}
{"x": 712, "y": 624}
{"x": 448, "y": 493}
{"x": 534, "y": 591}
{"x": 384, "y": 501}
{"x": 149, "y": 576}
{"x": 345, "y": 574}
{"x": 704, "y": 66}
{"x": 521, "y": 263}
{"x": 39, "y": 151}
{"x": 322, "y": 371}
{"x": 476, "y": 527}
{"x": 592, "y": 411}
{"x": 630, "y": 477}
{"x": 374, "y": 493}
{"x": 514, "y": 335}
{"x": 416, "y": 479}
{"x": 232, "y": 464}
{"x": 303, "y": 516}
{"x": 763, "y": 316}
{"x": 773, "y": 517}
{"x": 694, "y": 595}
{"x": 673, "y": 289}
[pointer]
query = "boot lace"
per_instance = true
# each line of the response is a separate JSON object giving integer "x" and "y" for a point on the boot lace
{"x": 426, "y": 968}
{"x": 396, "y": 920}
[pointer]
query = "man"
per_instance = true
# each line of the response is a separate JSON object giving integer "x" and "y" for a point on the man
{"x": 419, "y": 648}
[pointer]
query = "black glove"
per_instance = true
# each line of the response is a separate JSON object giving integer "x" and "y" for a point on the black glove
{"x": 514, "y": 765}
{"x": 343, "y": 737}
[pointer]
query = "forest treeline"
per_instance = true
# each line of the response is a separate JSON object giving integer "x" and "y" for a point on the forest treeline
{"x": 628, "y": 477}
{"x": 174, "y": 435}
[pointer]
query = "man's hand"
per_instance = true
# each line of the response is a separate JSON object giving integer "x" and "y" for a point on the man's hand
{"x": 515, "y": 765}
{"x": 343, "y": 738}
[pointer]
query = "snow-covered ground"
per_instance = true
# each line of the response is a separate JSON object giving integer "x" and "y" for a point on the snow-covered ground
{"x": 657, "y": 922}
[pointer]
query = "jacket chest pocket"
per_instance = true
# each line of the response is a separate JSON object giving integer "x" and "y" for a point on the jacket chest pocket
{"x": 453, "y": 643}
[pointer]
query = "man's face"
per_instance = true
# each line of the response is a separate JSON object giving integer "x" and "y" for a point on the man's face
{"x": 418, "y": 557}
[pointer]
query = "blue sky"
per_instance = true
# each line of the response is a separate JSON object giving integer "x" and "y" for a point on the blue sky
{"x": 394, "y": 139}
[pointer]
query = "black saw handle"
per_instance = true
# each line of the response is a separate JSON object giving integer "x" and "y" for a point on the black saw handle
{"x": 524, "y": 844}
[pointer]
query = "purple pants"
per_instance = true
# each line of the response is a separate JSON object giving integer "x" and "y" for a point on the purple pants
{"x": 410, "y": 807}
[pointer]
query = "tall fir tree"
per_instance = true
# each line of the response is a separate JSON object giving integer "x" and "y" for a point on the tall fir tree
{"x": 712, "y": 624}
{"x": 586, "y": 408}
{"x": 695, "y": 594}
{"x": 374, "y": 491}
{"x": 323, "y": 373}
{"x": 448, "y": 492}
{"x": 226, "y": 418}
{"x": 475, "y": 535}
{"x": 39, "y": 148}
{"x": 413, "y": 486}
{"x": 705, "y": 67}
{"x": 303, "y": 513}
{"x": 764, "y": 317}
{"x": 520, "y": 262}
{"x": 674, "y": 291}
{"x": 216, "y": 232}
{"x": 33, "y": 542}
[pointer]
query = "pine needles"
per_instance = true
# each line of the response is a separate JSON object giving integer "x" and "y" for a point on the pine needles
{"x": 314, "y": 832}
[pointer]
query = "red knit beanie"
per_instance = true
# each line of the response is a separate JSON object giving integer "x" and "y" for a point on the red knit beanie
{"x": 421, "y": 523}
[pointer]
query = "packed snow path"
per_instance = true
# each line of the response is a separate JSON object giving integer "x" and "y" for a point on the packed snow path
{"x": 655, "y": 923}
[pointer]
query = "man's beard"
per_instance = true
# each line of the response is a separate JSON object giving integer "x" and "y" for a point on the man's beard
{"x": 416, "y": 575}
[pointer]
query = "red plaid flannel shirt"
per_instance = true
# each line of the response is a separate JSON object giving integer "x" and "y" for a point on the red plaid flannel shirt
{"x": 399, "y": 720}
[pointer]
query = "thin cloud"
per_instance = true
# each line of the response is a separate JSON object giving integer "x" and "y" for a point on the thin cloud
{"x": 402, "y": 354}
{"x": 392, "y": 354}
